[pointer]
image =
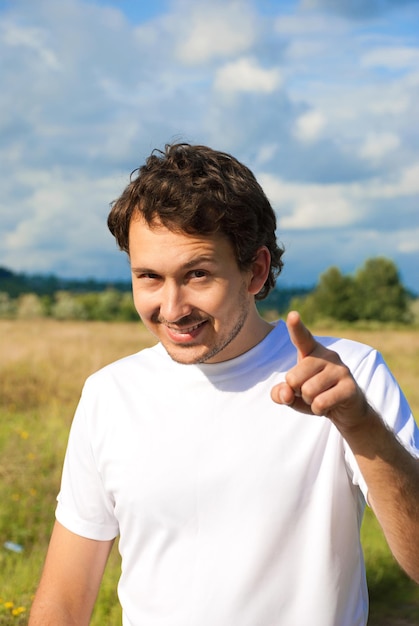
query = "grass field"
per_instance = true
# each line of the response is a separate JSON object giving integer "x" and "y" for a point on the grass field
{"x": 43, "y": 364}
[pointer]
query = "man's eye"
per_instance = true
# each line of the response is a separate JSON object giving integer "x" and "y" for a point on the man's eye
{"x": 148, "y": 276}
{"x": 198, "y": 274}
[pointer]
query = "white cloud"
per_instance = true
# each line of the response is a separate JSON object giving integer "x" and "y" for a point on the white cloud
{"x": 246, "y": 75}
{"x": 408, "y": 241}
{"x": 298, "y": 94}
{"x": 392, "y": 57}
{"x": 215, "y": 29}
{"x": 310, "y": 36}
{"x": 266, "y": 153}
{"x": 314, "y": 206}
{"x": 379, "y": 145}
{"x": 404, "y": 183}
{"x": 304, "y": 49}
{"x": 309, "y": 126}
{"x": 409, "y": 180}
{"x": 387, "y": 104}
{"x": 298, "y": 24}
{"x": 308, "y": 206}
{"x": 30, "y": 39}
{"x": 58, "y": 215}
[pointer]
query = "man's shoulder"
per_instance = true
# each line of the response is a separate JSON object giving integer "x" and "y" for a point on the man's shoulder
{"x": 135, "y": 364}
{"x": 341, "y": 344}
{"x": 353, "y": 353}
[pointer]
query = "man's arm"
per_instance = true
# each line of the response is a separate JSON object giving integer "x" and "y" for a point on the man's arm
{"x": 70, "y": 580}
{"x": 321, "y": 384}
{"x": 392, "y": 477}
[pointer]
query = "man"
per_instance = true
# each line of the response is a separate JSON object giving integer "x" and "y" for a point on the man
{"x": 234, "y": 458}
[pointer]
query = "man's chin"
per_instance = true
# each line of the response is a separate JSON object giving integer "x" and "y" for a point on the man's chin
{"x": 193, "y": 355}
{"x": 187, "y": 355}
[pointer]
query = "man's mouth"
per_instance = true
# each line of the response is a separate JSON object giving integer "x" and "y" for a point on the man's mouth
{"x": 185, "y": 333}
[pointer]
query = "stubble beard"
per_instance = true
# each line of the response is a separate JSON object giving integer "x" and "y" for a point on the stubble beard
{"x": 223, "y": 342}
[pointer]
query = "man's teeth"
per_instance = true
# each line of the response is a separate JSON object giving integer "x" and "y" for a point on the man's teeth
{"x": 185, "y": 331}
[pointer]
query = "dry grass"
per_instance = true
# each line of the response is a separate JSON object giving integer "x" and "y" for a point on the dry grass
{"x": 46, "y": 360}
{"x": 43, "y": 364}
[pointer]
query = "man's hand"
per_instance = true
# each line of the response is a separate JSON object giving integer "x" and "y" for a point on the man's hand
{"x": 320, "y": 383}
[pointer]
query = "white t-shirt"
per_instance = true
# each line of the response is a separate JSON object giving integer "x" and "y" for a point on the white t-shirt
{"x": 231, "y": 509}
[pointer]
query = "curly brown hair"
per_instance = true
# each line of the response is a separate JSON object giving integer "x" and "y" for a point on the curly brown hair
{"x": 197, "y": 190}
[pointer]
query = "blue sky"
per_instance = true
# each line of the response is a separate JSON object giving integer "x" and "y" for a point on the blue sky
{"x": 318, "y": 97}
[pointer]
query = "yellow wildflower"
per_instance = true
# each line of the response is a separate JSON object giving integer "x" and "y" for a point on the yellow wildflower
{"x": 18, "y": 611}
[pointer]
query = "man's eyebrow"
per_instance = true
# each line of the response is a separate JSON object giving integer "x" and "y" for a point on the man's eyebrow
{"x": 142, "y": 270}
{"x": 198, "y": 260}
{"x": 203, "y": 258}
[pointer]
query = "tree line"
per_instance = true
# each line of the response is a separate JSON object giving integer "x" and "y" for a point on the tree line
{"x": 107, "y": 305}
{"x": 374, "y": 292}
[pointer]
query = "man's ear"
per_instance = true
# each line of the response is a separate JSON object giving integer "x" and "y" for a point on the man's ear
{"x": 259, "y": 270}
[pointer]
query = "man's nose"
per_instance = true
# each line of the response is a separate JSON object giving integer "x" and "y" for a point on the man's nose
{"x": 174, "y": 304}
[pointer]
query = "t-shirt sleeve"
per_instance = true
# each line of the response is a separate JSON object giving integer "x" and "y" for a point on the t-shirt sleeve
{"x": 385, "y": 396}
{"x": 84, "y": 507}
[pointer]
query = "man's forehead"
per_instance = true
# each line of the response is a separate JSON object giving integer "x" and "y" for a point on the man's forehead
{"x": 160, "y": 246}
{"x": 155, "y": 229}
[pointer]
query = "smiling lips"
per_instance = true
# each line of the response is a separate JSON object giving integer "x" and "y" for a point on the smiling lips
{"x": 184, "y": 335}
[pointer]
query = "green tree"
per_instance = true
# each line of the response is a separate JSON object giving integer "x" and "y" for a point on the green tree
{"x": 380, "y": 294}
{"x": 66, "y": 307}
{"x": 127, "y": 312}
{"x": 29, "y": 306}
{"x": 7, "y": 305}
{"x": 108, "y": 305}
{"x": 374, "y": 293}
{"x": 333, "y": 298}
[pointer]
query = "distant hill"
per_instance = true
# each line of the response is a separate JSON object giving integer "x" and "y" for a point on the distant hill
{"x": 279, "y": 299}
{"x": 16, "y": 284}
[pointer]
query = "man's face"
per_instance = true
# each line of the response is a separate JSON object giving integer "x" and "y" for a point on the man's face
{"x": 190, "y": 293}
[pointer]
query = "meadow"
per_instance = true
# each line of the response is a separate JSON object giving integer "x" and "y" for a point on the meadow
{"x": 43, "y": 364}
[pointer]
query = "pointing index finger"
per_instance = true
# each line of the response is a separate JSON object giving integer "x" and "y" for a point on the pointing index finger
{"x": 300, "y": 336}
